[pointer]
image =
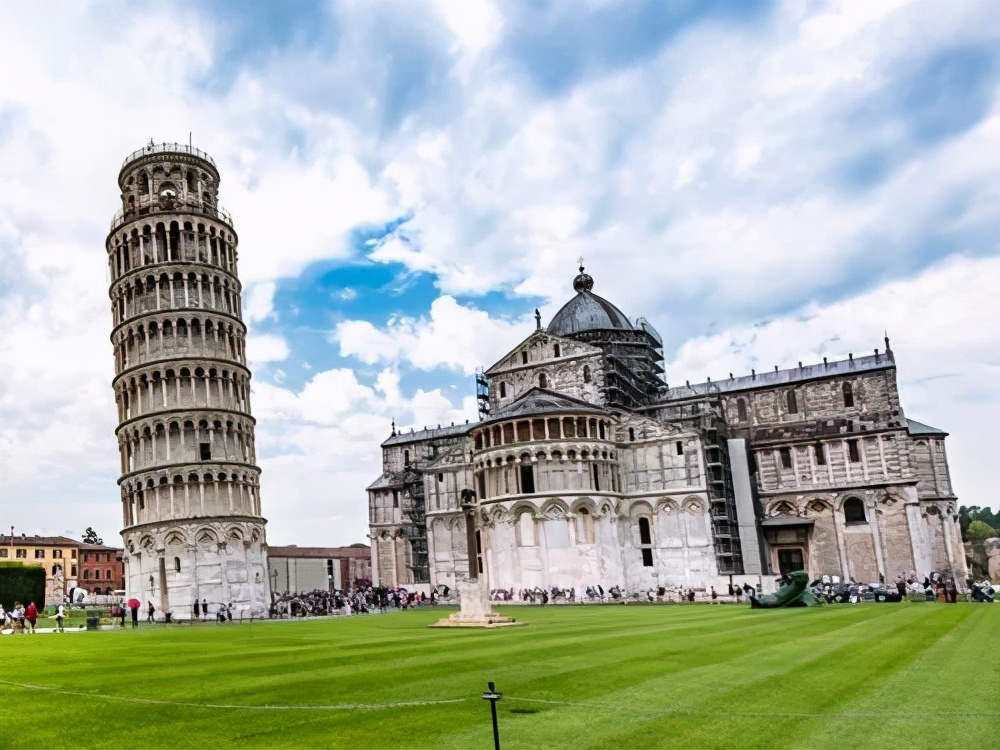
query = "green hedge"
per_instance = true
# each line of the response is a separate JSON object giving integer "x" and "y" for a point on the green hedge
{"x": 22, "y": 583}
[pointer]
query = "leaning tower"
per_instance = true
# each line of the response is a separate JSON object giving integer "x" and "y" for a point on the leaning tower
{"x": 189, "y": 480}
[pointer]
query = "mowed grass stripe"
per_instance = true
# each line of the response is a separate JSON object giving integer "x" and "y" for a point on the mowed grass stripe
{"x": 621, "y": 677}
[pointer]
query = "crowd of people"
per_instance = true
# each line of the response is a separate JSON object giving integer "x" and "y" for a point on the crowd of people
{"x": 359, "y": 599}
{"x": 23, "y": 619}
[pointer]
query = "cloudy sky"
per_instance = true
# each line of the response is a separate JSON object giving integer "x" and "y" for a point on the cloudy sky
{"x": 766, "y": 183}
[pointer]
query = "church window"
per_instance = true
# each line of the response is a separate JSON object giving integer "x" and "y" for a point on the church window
{"x": 645, "y": 543}
{"x": 631, "y": 434}
{"x": 206, "y": 451}
{"x": 852, "y": 451}
{"x": 854, "y": 511}
{"x": 820, "y": 454}
{"x": 527, "y": 478}
{"x": 586, "y": 374}
{"x": 679, "y": 447}
{"x": 503, "y": 389}
{"x": 793, "y": 404}
{"x": 177, "y": 565}
{"x": 786, "y": 458}
{"x": 482, "y": 485}
{"x": 543, "y": 382}
{"x": 557, "y": 350}
{"x": 741, "y": 410}
{"x": 524, "y": 358}
{"x": 596, "y": 471}
{"x": 406, "y": 458}
{"x": 395, "y": 498}
{"x": 848, "y": 395}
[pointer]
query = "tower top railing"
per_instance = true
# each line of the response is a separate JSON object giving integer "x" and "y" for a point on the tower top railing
{"x": 167, "y": 148}
{"x": 216, "y": 212}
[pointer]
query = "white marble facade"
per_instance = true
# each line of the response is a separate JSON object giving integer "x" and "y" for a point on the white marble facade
{"x": 588, "y": 470}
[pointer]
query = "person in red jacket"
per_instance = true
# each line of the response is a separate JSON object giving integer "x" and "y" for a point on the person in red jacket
{"x": 31, "y": 615}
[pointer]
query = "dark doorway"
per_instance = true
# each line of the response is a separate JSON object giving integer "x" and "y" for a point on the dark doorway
{"x": 790, "y": 560}
{"x": 527, "y": 479}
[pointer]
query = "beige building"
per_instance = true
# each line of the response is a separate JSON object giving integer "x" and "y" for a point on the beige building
{"x": 58, "y": 555}
{"x": 590, "y": 470}
{"x": 300, "y": 569}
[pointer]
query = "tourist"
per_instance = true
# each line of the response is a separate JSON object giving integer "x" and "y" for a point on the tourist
{"x": 197, "y": 609}
{"x": 204, "y": 609}
{"x": 714, "y": 595}
{"x": 31, "y": 615}
{"x": 134, "y": 607}
{"x": 149, "y": 614}
{"x": 17, "y": 618}
{"x": 60, "y": 615}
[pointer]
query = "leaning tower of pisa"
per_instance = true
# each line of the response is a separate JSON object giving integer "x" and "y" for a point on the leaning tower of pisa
{"x": 189, "y": 480}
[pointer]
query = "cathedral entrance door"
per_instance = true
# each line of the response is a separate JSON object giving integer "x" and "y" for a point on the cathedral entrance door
{"x": 790, "y": 560}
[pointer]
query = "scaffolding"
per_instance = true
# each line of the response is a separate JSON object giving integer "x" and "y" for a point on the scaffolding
{"x": 483, "y": 394}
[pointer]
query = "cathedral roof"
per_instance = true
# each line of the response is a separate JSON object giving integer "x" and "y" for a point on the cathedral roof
{"x": 587, "y": 312}
{"x": 915, "y": 428}
{"x": 793, "y": 375}
{"x": 543, "y": 401}
{"x": 415, "y": 436}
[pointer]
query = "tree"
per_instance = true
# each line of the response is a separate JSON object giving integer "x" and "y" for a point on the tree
{"x": 90, "y": 537}
{"x": 21, "y": 583}
{"x": 979, "y": 530}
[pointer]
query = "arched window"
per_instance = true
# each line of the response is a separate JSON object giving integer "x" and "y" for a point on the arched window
{"x": 543, "y": 382}
{"x": 177, "y": 565}
{"x": 645, "y": 542}
{"x": 586, "y": 373}
{"x": 793, "y": 404}
{"x": 854, "y": 511}
{"x": 848, "y": 395}
{"x": 741, "y": 410}
{"x": 503, "y": 389}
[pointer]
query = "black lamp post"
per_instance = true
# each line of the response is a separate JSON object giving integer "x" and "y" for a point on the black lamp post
{"x": 493, "y": 696}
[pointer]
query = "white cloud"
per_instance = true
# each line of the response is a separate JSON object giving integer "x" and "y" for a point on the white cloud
{"x": 706, "y": 182}
{"x": 454, "y": 336}
{"x": 265, "y": 347}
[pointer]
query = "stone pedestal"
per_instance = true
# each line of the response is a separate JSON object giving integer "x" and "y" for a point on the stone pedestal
{"x": 475, "y": 611}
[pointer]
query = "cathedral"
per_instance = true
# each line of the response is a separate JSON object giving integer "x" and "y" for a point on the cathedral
{"x": 589, "y": 470}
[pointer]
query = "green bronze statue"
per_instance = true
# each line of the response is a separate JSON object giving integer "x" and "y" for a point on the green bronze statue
{"x": 793, "y": 592}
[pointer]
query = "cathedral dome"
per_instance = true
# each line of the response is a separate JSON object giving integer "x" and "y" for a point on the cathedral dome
{"x": 587, "y": 312}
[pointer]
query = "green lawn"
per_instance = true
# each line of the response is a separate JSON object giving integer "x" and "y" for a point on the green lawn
{"x": 878, "y": 675}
